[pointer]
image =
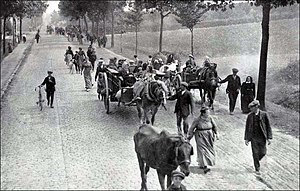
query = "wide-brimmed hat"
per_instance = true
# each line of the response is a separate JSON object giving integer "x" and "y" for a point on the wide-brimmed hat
{"x": 177, "y": 174}
{"x": 254, "y": 103}
{"x": 234, "y": 70}
{"x": 49, "y": 72}
{"x": 191, "y": 56}
{"x": 184, "y": 84}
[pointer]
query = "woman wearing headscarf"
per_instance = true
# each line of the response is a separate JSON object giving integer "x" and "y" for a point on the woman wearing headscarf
{"x": 204, "y": 128}
{"x": 247, "y": 94}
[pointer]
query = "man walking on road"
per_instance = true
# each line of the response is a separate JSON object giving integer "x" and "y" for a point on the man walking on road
{"x": 258, "y": 131}
{"x": 182, "y": 107}
{"x": 233, "y": 88}
{"x": 37, "y": 37}
{"x": 50, "y": 88}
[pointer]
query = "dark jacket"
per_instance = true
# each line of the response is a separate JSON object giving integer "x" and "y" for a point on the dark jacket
{"x": 70, "y": 52}
{"x": 263, "y": 123}
{"x": 173, "y": 188}
{"x": 233, "y": 84}
{"x": 37, "y": 36}
{"x": 50, "y": 83}
{"x": 248, "y": 89}
{"x": 183, "y": 103}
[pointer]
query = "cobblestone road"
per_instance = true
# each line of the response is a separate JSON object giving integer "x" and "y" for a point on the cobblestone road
{"x": 77, "y": 145}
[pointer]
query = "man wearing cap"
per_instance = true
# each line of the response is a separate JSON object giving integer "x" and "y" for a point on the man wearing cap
{"x": 177, "y": 178}
{"x": 233, "y": 88}
{"x": 184, "y": 106}
{"x": 50, "y": 88}
{"x": 258, "y": 131}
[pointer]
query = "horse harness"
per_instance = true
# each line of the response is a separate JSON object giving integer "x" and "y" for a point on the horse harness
{"x": 149, "y": 94}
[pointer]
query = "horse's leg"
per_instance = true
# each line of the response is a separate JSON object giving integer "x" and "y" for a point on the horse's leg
{"x": 139, "y": 110}
{"x": 169, "y": 181}
{"x": 161, "y": 178}
{"x": 146, "y": 119}
{"x": 142, "y": 169}
{"x": 153, "y": 114}
{"x": 213, "y": 98}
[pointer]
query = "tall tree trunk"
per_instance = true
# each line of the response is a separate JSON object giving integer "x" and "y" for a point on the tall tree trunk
{"x": 104, "y": 26}
{"x": 79, "y": 25}
{"x": 4, "y": 35}
{"x": 93, "y": 26}
{"x": 14, "y": 32}
{"x": 86, "y": 24}
{"x": 21, "y": 19}
{"x": 192, "y": 40}
{"x": 0, "y": 39}
{"x": 161, "y": 31}
{"x": 136, "y": 39}
{"x": 112, "y": 29}
{"x": 261, "y": 90}
{"x": 97, "y": 25}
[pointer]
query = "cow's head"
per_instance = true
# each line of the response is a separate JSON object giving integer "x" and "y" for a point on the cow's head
{"x": 183, "y": 150}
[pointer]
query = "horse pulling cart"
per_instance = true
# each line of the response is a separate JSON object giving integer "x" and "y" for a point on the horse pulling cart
{"x": 204, "y": 79}
{"x": 117, "y": 88}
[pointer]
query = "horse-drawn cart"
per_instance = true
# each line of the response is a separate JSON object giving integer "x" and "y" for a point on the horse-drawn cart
{"x": 204, "y": 79}
{"x": 117, "y": 88}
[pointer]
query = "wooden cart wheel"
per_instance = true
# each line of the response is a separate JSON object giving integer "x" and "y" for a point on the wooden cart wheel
{"x": 106, "y": 95}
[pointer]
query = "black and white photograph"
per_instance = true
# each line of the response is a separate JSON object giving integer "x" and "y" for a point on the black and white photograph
{"x": 149, "y": 94}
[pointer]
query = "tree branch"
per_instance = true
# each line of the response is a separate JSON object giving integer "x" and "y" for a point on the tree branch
{"x": 166, "y": 14}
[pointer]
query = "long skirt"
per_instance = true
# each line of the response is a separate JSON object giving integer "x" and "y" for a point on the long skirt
{"x": 100, "y": 84}
{"x": 245, "y": 100}
{"x": 87, "y": 78}
{"x": 205, "y": 147}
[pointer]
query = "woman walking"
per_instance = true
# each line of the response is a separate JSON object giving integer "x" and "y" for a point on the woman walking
{"x": 87, "y": 67}
{"x": 247, "y": 94}
{"x": 204, "y": 128}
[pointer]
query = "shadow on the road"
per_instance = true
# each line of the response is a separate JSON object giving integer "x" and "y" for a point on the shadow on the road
{"x": 197, "y": 170}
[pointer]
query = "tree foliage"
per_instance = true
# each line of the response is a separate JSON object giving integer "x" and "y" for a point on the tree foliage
{"x": 73, "y": 9}
{"x": 189, "y": 13}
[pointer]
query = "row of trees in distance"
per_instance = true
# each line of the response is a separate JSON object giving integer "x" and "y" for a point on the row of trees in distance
{"x": 188, "y": 14}
{"x": 18, "y": 9}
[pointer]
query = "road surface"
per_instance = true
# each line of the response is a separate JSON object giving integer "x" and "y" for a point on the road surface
{"x": 77, "y": 145}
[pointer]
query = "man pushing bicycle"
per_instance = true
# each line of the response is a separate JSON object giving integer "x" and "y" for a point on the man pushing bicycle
{"x": 50, "y": 88}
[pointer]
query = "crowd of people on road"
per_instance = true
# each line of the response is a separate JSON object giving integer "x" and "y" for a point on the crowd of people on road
{"x": 73, "y": 31}
{"x": 203, "y": 128}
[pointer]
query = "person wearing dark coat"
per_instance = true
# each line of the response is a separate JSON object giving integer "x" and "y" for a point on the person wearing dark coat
{"x": 258, "y": 131}
{"x": 233, "y": 88}
{"x": 69, "y": 51}
{"x": 50, "y": 88}
{"x": 99, "y": 75}
{"x": 184, "y": 107}
{"x": 247, "y": 94}
{"x": 37, "y": 37}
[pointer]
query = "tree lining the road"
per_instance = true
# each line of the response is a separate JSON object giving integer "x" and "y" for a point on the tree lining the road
{"x": 21, "y": 9}
{"x": 133, "y": 18}
{"x": 267, "y": 5}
